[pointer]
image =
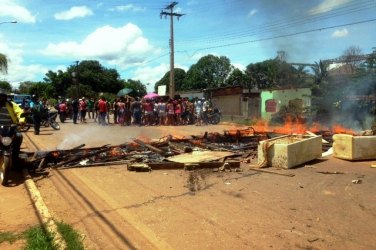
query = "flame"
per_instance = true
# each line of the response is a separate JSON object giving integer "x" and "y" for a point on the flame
{"x": 55, "y": 154}
{"x": 338, "y": 129}
{"x": 116, "y": 151}
{"x": 293, "y": 127}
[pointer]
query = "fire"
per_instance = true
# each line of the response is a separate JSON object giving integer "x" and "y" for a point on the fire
{"x": 338, "y": 129}
{"x": 116, "y": 151}
{"x": 293, "y": 127}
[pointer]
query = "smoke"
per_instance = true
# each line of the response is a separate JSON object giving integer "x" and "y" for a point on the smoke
{"x": 356, "y": 102}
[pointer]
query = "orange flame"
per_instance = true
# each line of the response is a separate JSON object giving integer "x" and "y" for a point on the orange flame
{"x": 292, "y": 127}
{"x": 338, "y": 129}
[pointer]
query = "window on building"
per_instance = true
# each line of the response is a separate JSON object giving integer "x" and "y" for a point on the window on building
{"x": 271, "y": 106}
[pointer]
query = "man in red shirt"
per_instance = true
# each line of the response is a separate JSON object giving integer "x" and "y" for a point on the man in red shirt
{"x": 102, "y": 109}
{"x": 63, "y": 111}
{"x": 83, "y": 109}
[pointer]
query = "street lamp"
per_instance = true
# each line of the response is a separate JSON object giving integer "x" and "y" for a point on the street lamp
{"x": 8, "y": 22}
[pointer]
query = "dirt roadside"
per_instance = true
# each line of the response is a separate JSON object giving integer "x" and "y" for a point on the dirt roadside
{"x": 117, "y": 209}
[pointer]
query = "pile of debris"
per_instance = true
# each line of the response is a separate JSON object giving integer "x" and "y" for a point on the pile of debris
{"x": 225, "y": 150}
{"x": 211, "y": 150}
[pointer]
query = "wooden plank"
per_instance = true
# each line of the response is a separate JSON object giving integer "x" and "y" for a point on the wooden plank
{"x": 166, "y": 165}
{"x": 199, "y": 156}
{"x": 152, "y": 148}
{"x": 191, "y": 166}
{"x": 313, "y": 134}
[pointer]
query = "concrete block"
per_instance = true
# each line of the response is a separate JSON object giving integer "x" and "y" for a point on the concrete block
{"x": 289, "y": 151}
{"x": 353, "y": 148}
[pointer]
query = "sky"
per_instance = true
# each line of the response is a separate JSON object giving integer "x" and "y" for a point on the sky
{"x": 133, "y": 37}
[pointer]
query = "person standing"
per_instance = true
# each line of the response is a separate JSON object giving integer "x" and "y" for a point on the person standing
{"x": 120, "y": 111}
{"x": 170, "y": 112}
{"x": 198, "y": 112}
{"x": 102, "y": 110}
{"x": 83, "y": 109}
{"x": 116, "y": 108}
{"x": 37, "y": 110}
{"x": 90, "y": 108}
{"x": 136, "y": 109}
{"x": 162, "y": 114}
{"x": 75, "y": 109}
{"x": 63, "y": 111}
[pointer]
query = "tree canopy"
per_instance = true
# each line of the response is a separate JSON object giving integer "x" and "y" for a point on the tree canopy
{"x": 179, "y": 76}
{"x": 209, "y": 72}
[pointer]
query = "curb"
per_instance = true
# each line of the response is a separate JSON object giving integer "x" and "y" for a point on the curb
{"x": 43, "y": 213}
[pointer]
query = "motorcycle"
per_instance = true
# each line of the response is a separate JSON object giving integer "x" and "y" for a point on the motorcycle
{"x": 213, "y": 116}
{"x": 47, "y": 119}
{"x": 7, "y": 135}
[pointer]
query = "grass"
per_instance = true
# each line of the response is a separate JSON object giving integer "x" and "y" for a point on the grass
{"x": 37, "y": 238}
{"x": 10, "y": 237}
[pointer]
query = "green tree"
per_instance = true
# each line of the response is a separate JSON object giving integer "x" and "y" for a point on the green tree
{"x": 139, "y": 89}
{"x": 86, "y": 75}
{"x": 24, "y": 87}
{"x": 179, "y": 76}
{"x": 60, "y": 81}
{"x": 264, "y": 74}
{"x": 209, "y": 72}
{"x": 42, "y": 90}
{"x": 4, "y": 85}
{"x": 320, "y": 71}
{"x": 3, "y": 63}
{"x": 238, "y": 78}
{"x": 370, "y": 63}
{"x": 97, "y": 77}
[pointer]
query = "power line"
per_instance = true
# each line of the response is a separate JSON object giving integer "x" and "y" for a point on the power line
{"x": 284, "y": 23}
{"x": 286, "y": 35}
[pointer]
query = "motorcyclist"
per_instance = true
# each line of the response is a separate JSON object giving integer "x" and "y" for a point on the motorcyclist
{"x": 10, "y": 113}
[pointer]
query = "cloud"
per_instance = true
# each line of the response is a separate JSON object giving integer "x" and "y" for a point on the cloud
{"x": 239, "y": 66}
{"x": 252, "y": 13}
{"x": 128, "y": 7}
{"x": 327, "y": 5}
{"x": 9, "y": 9}
{"x": 151, "y": 74}
{"x": 340, "y": 33}
{"x": 124, "y": 46}
{"x": 17, "y": 71}
{"x": 74, "y": 12}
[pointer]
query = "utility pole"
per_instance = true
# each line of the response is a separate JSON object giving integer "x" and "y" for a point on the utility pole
{"x": 75, "y": 79}
{"x": 171, "y": 13}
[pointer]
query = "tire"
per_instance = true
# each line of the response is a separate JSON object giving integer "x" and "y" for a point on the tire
{"x": 24, "y": 128}
{"x": 55, "y": 125}
{"x": 5, "y": 166}
{"x": 215, "y": 119}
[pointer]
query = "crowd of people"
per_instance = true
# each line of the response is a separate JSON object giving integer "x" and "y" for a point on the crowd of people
{"x": 127, "y": 111}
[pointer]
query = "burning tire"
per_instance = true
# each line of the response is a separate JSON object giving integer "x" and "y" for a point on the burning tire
{"x": 4, "y": 169}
